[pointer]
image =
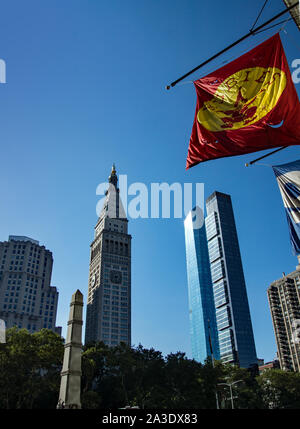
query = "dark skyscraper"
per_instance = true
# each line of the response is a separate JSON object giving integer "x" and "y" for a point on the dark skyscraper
{"x": 236, "y": 340}
{"x": 108, "y": 316}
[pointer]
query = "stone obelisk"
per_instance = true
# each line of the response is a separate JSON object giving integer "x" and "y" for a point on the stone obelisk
{"x": 69, "y": 395}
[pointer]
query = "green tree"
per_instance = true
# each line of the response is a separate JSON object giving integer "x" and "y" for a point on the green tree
{"x": 93, "y": 365}
{"x": 245, "y": 388}
{"x": 209, "y": 377}
{"x": 108, "y": 371}
{"x": 183, "y": 389}
{"x": 30, "y": 367}
{"x": 280, "y": 389}
{"x": 90, "y": 400}
{"x": 148, "y": 378}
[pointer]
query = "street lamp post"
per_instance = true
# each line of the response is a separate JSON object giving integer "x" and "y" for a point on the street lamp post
{"x": 230, "y": 387}
{"x": 212, "y": 359}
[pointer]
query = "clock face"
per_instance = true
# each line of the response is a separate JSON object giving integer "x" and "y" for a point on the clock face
{"x": 115, "y": 276}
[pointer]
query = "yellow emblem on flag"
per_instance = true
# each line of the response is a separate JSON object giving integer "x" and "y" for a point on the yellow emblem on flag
{"x": 243, "y": 98}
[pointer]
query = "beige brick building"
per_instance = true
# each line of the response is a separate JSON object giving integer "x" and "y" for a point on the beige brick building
{"x": 26, "y": 298}
{"x": 284, "y": 301}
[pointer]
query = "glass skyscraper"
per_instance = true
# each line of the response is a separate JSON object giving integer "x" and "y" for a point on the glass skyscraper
{"x": 236, "y": 340}
{"x": 203, "y": 329}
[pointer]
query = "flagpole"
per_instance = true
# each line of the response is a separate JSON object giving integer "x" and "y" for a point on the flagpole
{"x": 212, "y": 360}
{"x": 251, "y": 33}
{"x": 264, "y": 156}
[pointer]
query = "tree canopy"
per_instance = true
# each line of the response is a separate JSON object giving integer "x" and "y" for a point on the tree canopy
{"x": 30, "y": 366}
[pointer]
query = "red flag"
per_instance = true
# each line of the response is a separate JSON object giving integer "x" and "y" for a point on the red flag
{"x": 248, "y": 105}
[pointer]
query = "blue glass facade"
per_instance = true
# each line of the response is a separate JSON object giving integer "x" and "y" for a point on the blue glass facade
{"x": 235, "y": 334}
{"x": 201, "y": 301}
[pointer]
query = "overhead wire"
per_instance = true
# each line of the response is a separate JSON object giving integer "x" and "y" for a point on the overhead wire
{"x": 251, "y": 33}
{"x": 252, "y": 28}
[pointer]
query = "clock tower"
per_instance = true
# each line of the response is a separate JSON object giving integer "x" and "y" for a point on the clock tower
{"x": 108, "y": 315}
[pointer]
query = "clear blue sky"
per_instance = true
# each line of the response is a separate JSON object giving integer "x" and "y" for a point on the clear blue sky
{"x": 85, "y": 88}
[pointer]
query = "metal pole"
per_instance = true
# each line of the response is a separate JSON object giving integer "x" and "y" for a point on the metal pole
{"x": 264, "y": 156}
{"x": 251, "y": 32}
{"x": 217, "y": 400}
{"x": 230, "y": 386}
{"x": 213, "y": 363}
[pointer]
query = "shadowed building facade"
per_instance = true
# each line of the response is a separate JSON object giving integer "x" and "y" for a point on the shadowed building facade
{"x": 236, "y": 340}
{"x": 108, "y": 315}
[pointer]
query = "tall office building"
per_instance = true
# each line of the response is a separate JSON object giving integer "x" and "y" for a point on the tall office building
{"x": 108, "y": 315}
{"x": 203, "y": 329}
{"x": 284, "y": 302}
{"x": 236, "y": 340}
{"x": 26, "y": 298}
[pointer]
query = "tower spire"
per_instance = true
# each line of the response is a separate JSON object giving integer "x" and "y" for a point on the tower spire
{"x": 113, "y": 178}
{"x": 111, "y": 243}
